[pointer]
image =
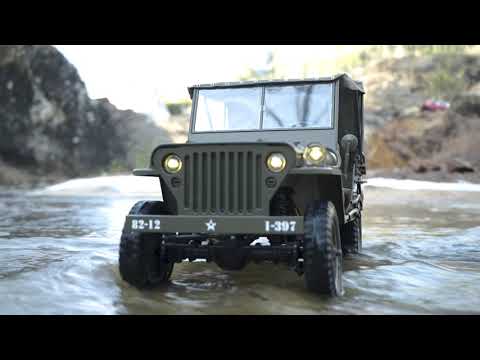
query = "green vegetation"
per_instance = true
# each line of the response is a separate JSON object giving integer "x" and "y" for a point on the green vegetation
{"x": 357, "y": 58}
{"x": 117, "y": 167}
{"x": 443, "y": 83}
{"x": 422, "y": 50}
{"x": 178, "y": 108}
{"x": 380, "y": 52}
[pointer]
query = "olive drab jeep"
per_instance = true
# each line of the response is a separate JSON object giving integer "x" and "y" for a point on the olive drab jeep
{"x": 279, "y": 159}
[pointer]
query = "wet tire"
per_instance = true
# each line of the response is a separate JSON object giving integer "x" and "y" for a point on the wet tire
{"x": 322, "y": 254}
{"x": 352, "y": 236}
{"x": 139, "y": 262}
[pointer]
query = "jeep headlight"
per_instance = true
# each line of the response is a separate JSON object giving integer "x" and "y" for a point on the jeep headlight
{"x": 172, "y": 163}
{"x": 276, "y": 162}
{"x": 318, "y": 155}
{"x": 315, "y": 154}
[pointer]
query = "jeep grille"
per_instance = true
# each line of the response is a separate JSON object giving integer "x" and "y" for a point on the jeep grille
{"x": 223, "y": 182}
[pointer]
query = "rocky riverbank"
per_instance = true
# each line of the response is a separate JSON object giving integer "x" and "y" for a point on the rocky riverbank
{"x": 50, "y": 129}
{"x": 405, "y": 142}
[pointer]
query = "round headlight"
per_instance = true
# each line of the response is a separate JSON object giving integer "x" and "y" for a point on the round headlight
{"x": 172, "y": 164}
{"x": 332, "y": 158}
{"x": 315, "y": 154}
{"x": 276, "y": 162}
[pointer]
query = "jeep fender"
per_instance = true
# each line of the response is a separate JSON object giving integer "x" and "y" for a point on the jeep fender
{"x": 314, "y": 184}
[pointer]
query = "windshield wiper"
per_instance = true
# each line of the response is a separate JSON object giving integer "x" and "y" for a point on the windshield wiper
{"x": 275, "y": 117}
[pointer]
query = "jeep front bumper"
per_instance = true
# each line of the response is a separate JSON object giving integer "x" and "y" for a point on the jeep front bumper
{"x": 215, "y": 225}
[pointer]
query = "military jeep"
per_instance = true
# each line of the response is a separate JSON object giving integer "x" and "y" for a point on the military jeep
{"x": 280, "y": 160}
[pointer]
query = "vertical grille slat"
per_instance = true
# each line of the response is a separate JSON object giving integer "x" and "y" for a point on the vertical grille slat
{"x": 223, "y": 174}
{"x": 213, "y": 179}
{"x": 208, "y": 182}
{"x": 195, "y": 182}
{"x": 205, "y": 183}
{"x": 217, "y": 204}
{"x": 223, "y": 182}
{"x": 246, "y": 189}
{"x": 188, "y": 175}
{"x": 251, "y": 179}
{"x": 236, "y": 181}
{"x": 249, "y": 182}
{"x": 230, "y": 166}
{"x": 240, "y": 184}
{"x": 258, "y": 181}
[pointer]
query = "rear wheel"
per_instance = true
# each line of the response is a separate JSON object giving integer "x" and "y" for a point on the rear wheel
{"x": 352, "y": 236}
{"x": 139, "y": 262}
{"x": 322, "y": 252}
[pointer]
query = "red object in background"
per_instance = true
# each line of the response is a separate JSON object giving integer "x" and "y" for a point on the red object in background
{"x": 435, "y": 105}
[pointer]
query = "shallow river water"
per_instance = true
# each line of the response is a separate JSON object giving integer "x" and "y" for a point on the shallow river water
{"x": 59, "y": 255}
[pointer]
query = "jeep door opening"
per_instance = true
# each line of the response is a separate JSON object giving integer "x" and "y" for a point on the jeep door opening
{"x": 280, "y": 159}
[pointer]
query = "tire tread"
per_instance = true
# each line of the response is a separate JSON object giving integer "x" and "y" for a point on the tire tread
{"x": 138, "y": 263}
{"x": 352, "y": 236}
{"x": 318, "y": 250}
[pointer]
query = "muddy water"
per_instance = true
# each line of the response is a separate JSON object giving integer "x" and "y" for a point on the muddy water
{"x": 58, "y": 255}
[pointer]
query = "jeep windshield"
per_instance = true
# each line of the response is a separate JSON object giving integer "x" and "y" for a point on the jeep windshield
{"x": 264, "y": 108}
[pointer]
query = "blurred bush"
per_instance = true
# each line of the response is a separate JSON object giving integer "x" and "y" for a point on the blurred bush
{"x": 179, "y": 108}
{"x": 443, "y": 83}
{"x": 422, "y": 50}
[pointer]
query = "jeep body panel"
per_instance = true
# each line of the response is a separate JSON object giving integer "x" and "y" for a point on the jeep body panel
{"x": 221, "y": 179}
{"x": 215, "y": 225}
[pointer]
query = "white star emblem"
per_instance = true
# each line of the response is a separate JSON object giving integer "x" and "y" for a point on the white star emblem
{"x": 211, "y": 225}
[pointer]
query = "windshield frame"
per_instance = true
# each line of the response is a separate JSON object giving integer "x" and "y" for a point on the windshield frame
{"x": 333, "y": 113}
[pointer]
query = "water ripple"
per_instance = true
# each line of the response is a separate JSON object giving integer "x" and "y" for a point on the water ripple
{"x": 59, "y": 255}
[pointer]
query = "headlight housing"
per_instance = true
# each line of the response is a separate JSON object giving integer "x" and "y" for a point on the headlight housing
{"x": 172, "y": 164}
{"x": 319, "y": 155}
{"x": 276, "y": 162}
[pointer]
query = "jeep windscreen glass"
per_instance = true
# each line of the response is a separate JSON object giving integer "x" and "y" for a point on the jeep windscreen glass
{"x": 228, "y": 109}
{"x": 302, "y": 106}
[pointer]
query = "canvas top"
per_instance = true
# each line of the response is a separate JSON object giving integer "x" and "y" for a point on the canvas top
{"x": 346, "y": 82}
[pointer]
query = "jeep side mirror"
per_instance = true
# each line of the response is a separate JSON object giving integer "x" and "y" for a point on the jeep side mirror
{"x": 349, "y": 143}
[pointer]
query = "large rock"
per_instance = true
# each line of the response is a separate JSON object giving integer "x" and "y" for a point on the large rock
{"x": 48, "y": 123}
{"x": 458, "y": 165}
{"x": 399, "y": 135}
{"x": 431, "y": 142}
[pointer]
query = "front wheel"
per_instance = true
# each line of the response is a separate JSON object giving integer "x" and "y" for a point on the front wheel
{"x": 139, "y": 262}
{"x": 322, "y": 250}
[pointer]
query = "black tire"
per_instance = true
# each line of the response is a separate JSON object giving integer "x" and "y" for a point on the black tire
{"x": 352, "y": 236}
{"x": 322, "y": 252}
{"x": 139, "y": 262}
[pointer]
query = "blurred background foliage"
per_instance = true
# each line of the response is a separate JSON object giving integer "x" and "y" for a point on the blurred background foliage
{"x": 46, "y": 105}
{"x": 446, "y": 80}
